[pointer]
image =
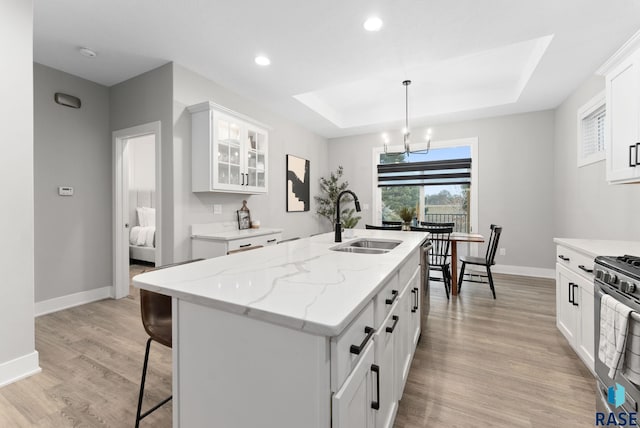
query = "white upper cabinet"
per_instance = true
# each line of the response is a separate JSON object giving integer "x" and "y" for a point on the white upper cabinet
{"x": 622, "y": 123}
{"x": 229, "y": 151}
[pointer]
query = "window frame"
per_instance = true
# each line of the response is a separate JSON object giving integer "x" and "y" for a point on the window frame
{"x": 583, "y": 112}
{"x": 475, "y": 158}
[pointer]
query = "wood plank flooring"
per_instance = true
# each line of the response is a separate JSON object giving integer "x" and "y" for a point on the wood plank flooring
{"x": 480, "y": 363}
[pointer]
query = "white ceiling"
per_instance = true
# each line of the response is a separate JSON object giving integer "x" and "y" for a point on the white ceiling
{"x": 466, "y": 58}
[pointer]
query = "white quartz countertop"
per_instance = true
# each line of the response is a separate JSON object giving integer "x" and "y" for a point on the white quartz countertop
{"x": 299, "y": 284}
{"x": 230, "y": 235}
{"x": 598, "y": 247}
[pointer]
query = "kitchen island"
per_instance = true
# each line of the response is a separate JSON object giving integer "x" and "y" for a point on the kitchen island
{"x": 294, "y": 335}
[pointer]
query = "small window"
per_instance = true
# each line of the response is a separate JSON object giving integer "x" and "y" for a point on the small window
{"x": 591, "y": 129}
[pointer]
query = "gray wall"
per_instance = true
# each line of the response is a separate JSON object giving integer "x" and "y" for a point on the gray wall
{"x": 16, "y": 172}
{"x": 585, "y": 205}
{"x": 72, "y": 148}
{"x": 143, "y": 99}
{"x": 285, "y": 137}
{"x": 515, "y": 187}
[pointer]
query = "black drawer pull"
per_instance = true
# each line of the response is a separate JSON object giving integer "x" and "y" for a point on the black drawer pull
{"x": 375, "y": 405}
{"x": 245, "y": 245}
{"x": 415, "y": 307}
{"x": 355, "y": 349}
{"x": 587, "y": 270}
{"x": 561, "y": 257}
{"x": 395, "y": 319}
{"x": 574, "y": 295}
{"x": 269, "y": 241}
{"x": 390, "y": 301}
{"x": 633, "y": 160}
{"x": 637, "y": 150}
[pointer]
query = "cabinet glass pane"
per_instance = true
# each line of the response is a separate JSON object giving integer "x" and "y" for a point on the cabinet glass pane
{"x": 252, "y": 177}
{"x": 223, "y": 130}
{"x": 223, "y": 173}
{"x": 223, "y": 153}
{"x": 260, "y": 139}
{"x": 234, "y": 172}
{"x": 252, "y": 159}
{"x": 260, "y": 164}
{"x": 234, "y": 155}
{"x": 261, "y": 182}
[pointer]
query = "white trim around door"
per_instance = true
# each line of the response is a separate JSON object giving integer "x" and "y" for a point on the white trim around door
{"x": 121, "y": 203}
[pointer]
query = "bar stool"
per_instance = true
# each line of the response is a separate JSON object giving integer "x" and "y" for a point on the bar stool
{"x": 155, "y": 309}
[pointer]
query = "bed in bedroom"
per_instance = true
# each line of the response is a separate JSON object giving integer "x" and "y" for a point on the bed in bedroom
{"x": 142, "y": 236}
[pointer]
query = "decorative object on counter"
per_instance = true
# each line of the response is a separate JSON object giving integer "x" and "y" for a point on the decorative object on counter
{"x": 244, "y": 218}
{"x": 338, "y": 226}
{"x": 330, "y": 188}
{"x": 298, "y": 193}
{"x": 406, "y": 214}
{"x": 255, "y": 224}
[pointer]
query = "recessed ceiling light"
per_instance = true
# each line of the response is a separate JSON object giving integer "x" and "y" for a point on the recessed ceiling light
{"x": 373, "y": 24}
{"x": 262, "y": 60}
{"x": 88, "y": 52}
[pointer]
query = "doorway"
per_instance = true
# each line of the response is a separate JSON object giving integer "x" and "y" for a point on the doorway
{"x": 137, "y": 231}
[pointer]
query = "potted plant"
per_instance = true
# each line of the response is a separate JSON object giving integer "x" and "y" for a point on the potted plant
{"x": 330, "y": 188}
{"x": 349, "y": 220}
{"x": 406, "y": 214}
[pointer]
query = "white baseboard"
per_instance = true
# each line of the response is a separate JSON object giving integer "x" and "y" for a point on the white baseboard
{"x": 19, "y": 368}
{"x": 59, "y": 303}
{"x": 524, "y": 271}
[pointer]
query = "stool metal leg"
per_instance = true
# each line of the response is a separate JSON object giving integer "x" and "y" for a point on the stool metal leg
{"x": 139, "y": 416}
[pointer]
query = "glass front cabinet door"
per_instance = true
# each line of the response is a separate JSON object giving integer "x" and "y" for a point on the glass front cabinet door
{"x": 229, "y": 151}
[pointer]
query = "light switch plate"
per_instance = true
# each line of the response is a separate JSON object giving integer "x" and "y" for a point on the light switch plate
{"x": 65, "y": 191}
{"x": 217, "y": 209}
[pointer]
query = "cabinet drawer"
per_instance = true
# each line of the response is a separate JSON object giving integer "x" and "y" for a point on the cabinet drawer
{"x": 254, "y": 241}
{"x": 575, "y": 261}
{"x": 385, "y": 299}
{"x": 347, "y": 348}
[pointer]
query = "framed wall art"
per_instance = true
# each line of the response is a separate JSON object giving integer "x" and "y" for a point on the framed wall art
{"x": 298, "y": 195}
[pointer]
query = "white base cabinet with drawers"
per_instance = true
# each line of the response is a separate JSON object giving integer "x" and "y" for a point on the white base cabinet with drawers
{"x": 353, "y": 380}
{"x": 575, "y": 301}
{"x": 220, "y": 244}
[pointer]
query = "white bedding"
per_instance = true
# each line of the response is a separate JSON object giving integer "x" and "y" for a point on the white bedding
{"x": 142, "y": 236}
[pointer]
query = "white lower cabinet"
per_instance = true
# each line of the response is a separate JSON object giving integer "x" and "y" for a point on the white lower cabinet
{"x": 352, "y": 405}
{"x": 575, "y": 302}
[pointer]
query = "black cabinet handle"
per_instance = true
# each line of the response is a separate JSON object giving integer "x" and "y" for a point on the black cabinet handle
{"x": 395, "y": 319}
{"x": 561, "y": 257}
{"x": 415, "y": 306}
{"x": 573, "y": 286}
{"x": 633, "y": 159}
{"x": 245, "y": 245}
{"x": 637, "y": 150}
{"x": 269, "y": 241}
{"x": 394, "y": 294}
{"x": 570, "y": 289}
{"x": 355, "y": 349}
{"x": 242, "y": 175}
{"x": 247, "y": 179}
{"x": 587, "y": 270}
{"x": 375, "y": 405}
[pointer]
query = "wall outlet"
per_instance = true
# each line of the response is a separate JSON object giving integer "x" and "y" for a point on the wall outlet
{"x": 217, "y": 209}
{"x": 65, "y": 191}
{"x": 503, "y": 251}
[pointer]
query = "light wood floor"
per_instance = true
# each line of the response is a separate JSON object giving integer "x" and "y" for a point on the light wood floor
{"x": 480, "y": 363}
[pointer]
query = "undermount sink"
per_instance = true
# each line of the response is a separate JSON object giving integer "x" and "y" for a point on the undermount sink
{"x": 375, "y": 243}
{"x": 360, "y": 250}
{"x": 368, "y": 246}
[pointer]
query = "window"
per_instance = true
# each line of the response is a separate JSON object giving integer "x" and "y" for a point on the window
{"x": 591, "y": 130}
{"x": 437, "y": 184}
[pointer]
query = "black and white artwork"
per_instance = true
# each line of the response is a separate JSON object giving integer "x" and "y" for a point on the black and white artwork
{"x": 297, "y": 184}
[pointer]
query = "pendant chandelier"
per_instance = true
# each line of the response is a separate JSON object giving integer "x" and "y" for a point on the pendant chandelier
{"x": 406, "y": 132}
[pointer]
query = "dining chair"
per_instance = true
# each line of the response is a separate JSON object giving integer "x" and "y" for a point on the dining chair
{"x": 487, "y": 261}
{"x": 439, "y": 255}
{"x": 369, "y": 226}
{"x": 155, "y": 310}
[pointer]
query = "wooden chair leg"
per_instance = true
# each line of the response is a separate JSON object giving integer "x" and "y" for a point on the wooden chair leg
{"x": 461, "y": 277}
{"x": 493, "y": 290}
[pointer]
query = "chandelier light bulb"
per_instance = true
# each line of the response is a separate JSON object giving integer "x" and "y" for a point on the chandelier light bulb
{"x": 373, "y": 24}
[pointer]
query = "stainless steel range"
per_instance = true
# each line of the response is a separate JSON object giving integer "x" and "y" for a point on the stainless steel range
{"x": 618, "y": 277}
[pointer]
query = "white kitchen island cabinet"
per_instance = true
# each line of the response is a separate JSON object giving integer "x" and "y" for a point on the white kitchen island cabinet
{"x": 302, "y": 336}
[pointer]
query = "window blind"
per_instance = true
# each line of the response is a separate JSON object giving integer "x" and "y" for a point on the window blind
{"x": 593, "y": 132}
{"x": 431, "y": 173}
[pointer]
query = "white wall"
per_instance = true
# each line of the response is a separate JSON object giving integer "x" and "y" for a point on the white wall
{"x": 515, "y": 185}
{"x": 142, "y": 166}
{"x": 73, "y": 240}
{"x": 18, "y": 357}
{"x": 285, "y": 137}
{"x": 585, "y": 205}
{"x": 144, "y": 99}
